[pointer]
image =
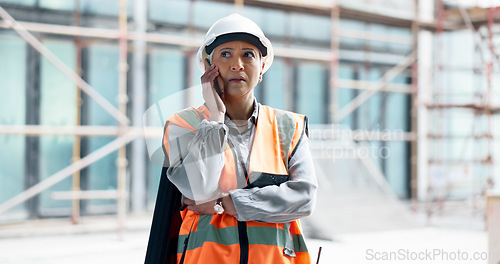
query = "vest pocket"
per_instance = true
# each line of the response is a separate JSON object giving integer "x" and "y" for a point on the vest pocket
{"x": 289, "y": 252}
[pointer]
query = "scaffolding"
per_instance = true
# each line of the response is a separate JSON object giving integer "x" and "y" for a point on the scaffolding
{"x": 479, "y": 22}
{"x": 125, "y": 133}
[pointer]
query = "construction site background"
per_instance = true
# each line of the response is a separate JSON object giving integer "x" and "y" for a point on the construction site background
{"x": 402, "y": 99}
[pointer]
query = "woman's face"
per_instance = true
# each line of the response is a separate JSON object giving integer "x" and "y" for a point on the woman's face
{"x": 240, "y": 67}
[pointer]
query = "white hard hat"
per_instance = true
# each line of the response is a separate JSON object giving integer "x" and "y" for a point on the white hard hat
{"x": 235, "y": 27}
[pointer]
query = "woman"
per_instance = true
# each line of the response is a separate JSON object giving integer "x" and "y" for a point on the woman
{"x": 244, "y": 169}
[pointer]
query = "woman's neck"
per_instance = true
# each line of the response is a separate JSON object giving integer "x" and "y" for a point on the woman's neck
{"x": 240, "y": 109}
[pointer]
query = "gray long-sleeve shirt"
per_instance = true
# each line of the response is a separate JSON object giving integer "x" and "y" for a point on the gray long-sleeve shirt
{"x": 196, "y": 161}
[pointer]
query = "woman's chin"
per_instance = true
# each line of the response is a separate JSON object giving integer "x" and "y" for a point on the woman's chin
{"x": 236, "y": 95}
{"x": 236, "y": 90}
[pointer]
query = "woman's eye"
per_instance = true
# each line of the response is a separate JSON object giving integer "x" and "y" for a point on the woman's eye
{"x": 249, "y": 54}
{"x": 225, "y": 54}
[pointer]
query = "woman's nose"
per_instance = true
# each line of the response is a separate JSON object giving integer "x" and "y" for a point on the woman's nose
{"x": 237, "y": 64}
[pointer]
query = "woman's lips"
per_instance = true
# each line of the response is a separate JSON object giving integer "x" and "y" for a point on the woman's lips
{"x": 238, "y": 79}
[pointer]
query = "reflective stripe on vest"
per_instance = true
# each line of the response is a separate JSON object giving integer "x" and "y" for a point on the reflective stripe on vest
{"x": 218, "y": 237}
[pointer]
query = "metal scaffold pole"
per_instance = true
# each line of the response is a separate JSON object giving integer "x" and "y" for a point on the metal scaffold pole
{"x": 415, "y": 29}
{"x": 190, "y": 58}
{"x": 382, "y": 82}
{"x": 84, "y": 86}
{"x": 139, "y": 99}
{"x": 70, "y": 170}
{"x": 75, "y": 215}
{"x": 334, "y": 60}
{"x": 239, "y": 5}
{"x": 122, "y": 105}
{"x": 437, "y": 123}
{"x": 423, "y": 91}
{"x": 488, "y": 104}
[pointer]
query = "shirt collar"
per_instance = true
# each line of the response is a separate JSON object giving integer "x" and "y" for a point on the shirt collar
{"x": 255, "y": 113}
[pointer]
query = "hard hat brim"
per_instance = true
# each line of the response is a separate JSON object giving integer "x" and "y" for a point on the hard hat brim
{"x": 241, "y": 36}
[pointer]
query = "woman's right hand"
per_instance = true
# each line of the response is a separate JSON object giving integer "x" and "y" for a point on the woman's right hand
{"x": 212, "y": 99}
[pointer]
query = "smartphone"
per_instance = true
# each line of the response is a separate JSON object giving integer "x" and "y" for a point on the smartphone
{"x": 216, "y": 83}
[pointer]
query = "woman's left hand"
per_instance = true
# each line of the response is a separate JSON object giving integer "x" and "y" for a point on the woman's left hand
{"x": 208, "y": 207}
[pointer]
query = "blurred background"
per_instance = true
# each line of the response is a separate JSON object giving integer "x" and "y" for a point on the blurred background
{"x": 402, "y": 98}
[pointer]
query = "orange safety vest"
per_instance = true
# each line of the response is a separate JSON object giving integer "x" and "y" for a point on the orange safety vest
{"x": 224, "y": 239}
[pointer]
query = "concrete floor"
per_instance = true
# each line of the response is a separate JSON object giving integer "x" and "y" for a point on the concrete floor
{"x": 441, "y": 239}
{"x": 421, "y": 245}
{"x": 455, "y": 233}
{"x": 357, "y": 225}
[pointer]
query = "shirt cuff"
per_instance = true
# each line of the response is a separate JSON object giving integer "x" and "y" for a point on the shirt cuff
{"x": 241, "y": 200}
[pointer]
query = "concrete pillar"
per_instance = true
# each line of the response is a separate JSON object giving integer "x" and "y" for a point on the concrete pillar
{"x": 138, "y": 153}
{"x": 425, "y": 84}
{"x": 494, "y": 228}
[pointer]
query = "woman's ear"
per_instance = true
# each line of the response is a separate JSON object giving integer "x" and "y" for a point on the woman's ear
{"x": 262, "y": 71}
